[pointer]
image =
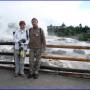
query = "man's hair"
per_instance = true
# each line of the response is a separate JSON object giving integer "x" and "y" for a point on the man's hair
{"x": 34, "y": 19}
{"x": 22, "y": 22}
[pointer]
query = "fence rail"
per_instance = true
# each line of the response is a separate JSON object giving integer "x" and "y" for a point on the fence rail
{"x": 69, "y": 47}
{"x": 55, "y": 57}
{"x": 55, "y": 46}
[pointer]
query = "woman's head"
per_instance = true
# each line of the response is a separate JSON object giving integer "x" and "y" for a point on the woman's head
{"x": 22, "y": 24}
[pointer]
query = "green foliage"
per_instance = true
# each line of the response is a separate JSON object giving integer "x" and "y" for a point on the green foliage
{"x": 84, "y": 37}
{"x": 83, "y": 33}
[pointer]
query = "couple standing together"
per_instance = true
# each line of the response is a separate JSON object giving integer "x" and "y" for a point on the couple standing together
{"x": 34, "y": 38}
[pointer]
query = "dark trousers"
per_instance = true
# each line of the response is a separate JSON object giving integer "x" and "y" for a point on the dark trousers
{"x": 34, "y": 60}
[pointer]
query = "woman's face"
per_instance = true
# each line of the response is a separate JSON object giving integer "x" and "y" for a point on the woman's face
{"x": 22, "y": 26}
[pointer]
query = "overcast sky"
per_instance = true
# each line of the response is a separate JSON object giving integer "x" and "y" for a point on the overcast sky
{"x": 47, "y": 12}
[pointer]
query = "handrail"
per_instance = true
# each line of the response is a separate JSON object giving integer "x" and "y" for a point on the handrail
{"x": 52, "y": 68}
{"x": 54, "y": 46}
{"x": 64, "y": 57}
{"x": 69, "y": 46}
{"x": 55, "y": 57}
{"x": 7, "y": 43}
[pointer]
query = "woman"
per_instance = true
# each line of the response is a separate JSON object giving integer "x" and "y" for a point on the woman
{"x": 21, "y": 40}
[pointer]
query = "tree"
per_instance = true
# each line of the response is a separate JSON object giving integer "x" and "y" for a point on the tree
{"x": 63, "y": 25}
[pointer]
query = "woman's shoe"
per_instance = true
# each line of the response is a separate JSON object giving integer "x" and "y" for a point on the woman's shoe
{"x": 22, "y": 75}
{"x": 16, "y": 75}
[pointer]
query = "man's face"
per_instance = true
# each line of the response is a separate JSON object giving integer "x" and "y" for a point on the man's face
{"x": 22, "y": 26}
{"x": 35, "y": 23}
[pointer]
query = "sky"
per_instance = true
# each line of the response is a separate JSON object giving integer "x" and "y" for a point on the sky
{"x": 47, "y": 12}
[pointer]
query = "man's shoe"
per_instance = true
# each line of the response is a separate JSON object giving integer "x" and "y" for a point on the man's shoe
{"x": 29, "y": 76}
{"x": 35, "y": 76}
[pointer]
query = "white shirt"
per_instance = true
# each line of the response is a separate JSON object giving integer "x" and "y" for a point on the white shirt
{"x": 20, "y": 34}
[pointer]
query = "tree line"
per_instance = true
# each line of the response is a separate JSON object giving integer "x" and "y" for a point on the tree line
{"x": 81, "y": 33}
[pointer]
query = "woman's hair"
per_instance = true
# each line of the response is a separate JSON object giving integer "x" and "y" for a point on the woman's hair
{"x": 22, "y": 22}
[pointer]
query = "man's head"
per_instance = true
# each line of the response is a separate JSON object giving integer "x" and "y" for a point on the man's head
{"x": 22, "y": 24}
{"x": 34, "y": 22}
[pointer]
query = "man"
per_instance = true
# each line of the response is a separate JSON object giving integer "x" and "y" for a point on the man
{"x": 20, "y": 39}
{"x": 37, "y": 44}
